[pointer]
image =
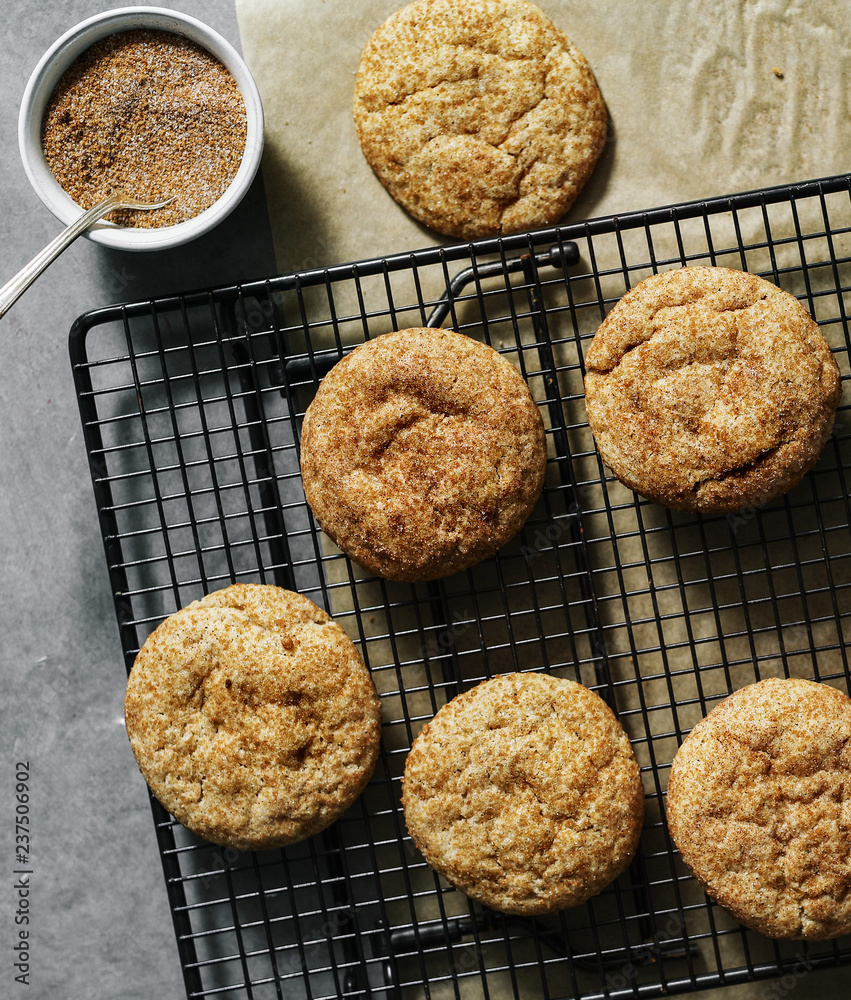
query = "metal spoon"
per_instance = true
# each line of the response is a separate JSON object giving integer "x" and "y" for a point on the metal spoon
{"x": 13, "y": 289}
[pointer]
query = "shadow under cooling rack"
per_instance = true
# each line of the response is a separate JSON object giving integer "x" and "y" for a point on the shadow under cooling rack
{"x": 191, "y": 408}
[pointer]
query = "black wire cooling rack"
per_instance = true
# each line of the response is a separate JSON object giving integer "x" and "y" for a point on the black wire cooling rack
{"x": 191, "y": 407}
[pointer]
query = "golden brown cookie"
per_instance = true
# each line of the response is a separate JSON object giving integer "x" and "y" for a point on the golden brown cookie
{"x": 759, "y": 805}
{"x": 525, "y": 794}
{"x": 710, "y": 390}
{"x": 253, "y": 717}
{"x": 422, "y": 453}
{"x": 479, "y": 116}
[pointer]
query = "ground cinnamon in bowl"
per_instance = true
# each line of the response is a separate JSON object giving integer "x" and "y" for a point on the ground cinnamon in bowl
{"x": 153, "y": 114}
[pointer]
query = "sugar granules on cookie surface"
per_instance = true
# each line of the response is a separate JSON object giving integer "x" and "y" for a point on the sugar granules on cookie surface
{"x": 422, "y": 453}
{"x": 525, "y": 794}
{"x": 480, "y": 117}
{"x": 710, "y": 389}
{"x": 253, "y": 717}
{"x": 758, "y": 805}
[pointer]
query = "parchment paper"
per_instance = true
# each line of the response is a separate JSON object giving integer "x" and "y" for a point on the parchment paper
{"x": 705, "y": 97}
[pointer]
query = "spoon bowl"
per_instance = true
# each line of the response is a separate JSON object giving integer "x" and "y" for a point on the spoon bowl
{"x": 50, "y": 69}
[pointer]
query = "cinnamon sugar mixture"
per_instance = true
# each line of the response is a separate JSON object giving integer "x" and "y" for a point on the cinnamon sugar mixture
{"x": 149, "y": 113}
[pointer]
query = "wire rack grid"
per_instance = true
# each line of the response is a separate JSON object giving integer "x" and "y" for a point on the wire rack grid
{"x": 191, "y": 407}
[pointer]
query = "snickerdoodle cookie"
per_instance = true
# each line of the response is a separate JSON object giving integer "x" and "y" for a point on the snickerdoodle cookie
{"x": 525, "y": 794}
{"x": 479, "y": 116}
{"x": 253, "y": 717}
{"x": 422, "y": 453}
{"x": 759, "y": 805}
{"x": 710, "y": 390}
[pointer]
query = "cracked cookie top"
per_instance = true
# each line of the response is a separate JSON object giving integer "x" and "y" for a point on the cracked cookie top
{"x": 710, "y": 389}
{"x": 759, "y": 806}
{"x": 525, "y": 794}
{"x": 253, "y": 717}
{"x": 422, "y": 453}
{"x": 479, "y": 116}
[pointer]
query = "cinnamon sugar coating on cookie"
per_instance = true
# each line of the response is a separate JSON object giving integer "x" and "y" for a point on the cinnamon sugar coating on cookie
{"x": 422, "y": 453}
{"x": 525, "y": 794}
{"x": 710, "y": 389}
{"x": 253, "y": 717}
{"x": 759, "y": 805}
{"x": 479, "y": 116}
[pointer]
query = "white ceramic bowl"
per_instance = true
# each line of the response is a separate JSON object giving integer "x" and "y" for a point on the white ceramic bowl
{"x": 50, "y": 70}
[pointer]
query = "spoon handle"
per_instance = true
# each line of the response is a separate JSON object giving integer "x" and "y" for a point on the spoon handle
{"x": 13, "y": 289}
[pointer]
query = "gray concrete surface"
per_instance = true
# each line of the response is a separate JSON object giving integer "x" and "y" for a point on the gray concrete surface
{"x": 100, "y": 924}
